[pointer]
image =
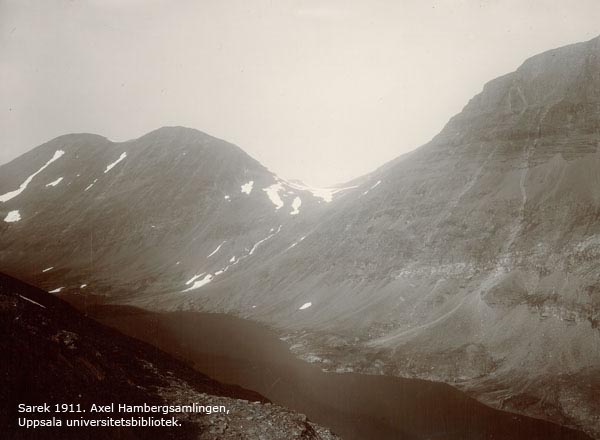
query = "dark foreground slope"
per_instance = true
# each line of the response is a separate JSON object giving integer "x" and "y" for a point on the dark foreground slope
{"x": 53, "y": 354}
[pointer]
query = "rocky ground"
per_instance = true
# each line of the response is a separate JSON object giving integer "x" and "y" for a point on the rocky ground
{"x": 53, "y": 354}
{"x": 252, "y": 420}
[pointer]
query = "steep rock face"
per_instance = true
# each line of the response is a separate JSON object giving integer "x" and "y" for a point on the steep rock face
{"x": 473, "y": 259}
{"x": 504, "y": 191}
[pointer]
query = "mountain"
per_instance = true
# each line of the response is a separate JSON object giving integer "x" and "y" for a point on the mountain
{"x": 125, "y": 216}
{"x": 471, "y": 260}
{"x": 53, "y": 354}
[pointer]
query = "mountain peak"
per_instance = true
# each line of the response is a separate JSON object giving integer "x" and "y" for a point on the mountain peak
{"x": 569, "y": 73}
{"x": 555, "y": 90}
{"x": 177, "y": 132}
{"x": 181, "y": 137}
{"x": 79, "y": 137}
{"x": 176, "y": 129}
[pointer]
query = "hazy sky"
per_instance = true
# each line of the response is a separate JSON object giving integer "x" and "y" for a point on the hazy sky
{"x": 317, "y": 90}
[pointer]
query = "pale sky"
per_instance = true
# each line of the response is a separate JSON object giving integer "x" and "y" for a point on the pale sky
{"x": 321, "y": 91}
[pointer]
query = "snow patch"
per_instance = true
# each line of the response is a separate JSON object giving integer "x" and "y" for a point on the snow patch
{"x": 263, "y": 240}
{"x": 83, "y": 286}
{"x": 197, "y": 284}
{"x": 305, "y": 306}
{"x": 232, "y": 260}
{"x": 48, "y": 269}
{"x": 90, "y": 185}
{"x": 58, "y": 289}
{"x": 54, "y": 182}
{"x": 12, "y": 216}
{"x": 32, "y": 301}
{"x": 247, "y": 187}
{"x": 295, "y": 243}
{"x": 227, "y": 197}
{"x": 216, "y": 250}
{"x": 296, "y": 205}
{"x": 373, "y": 187}
{"x": 326, "y": 194}
{"x": 10, "y": 195}
{"x": 323, "y": 193}
{"x": 273, "y": 194}
{"x": 194, "y": 278}
{"x": 112, "y": 165}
